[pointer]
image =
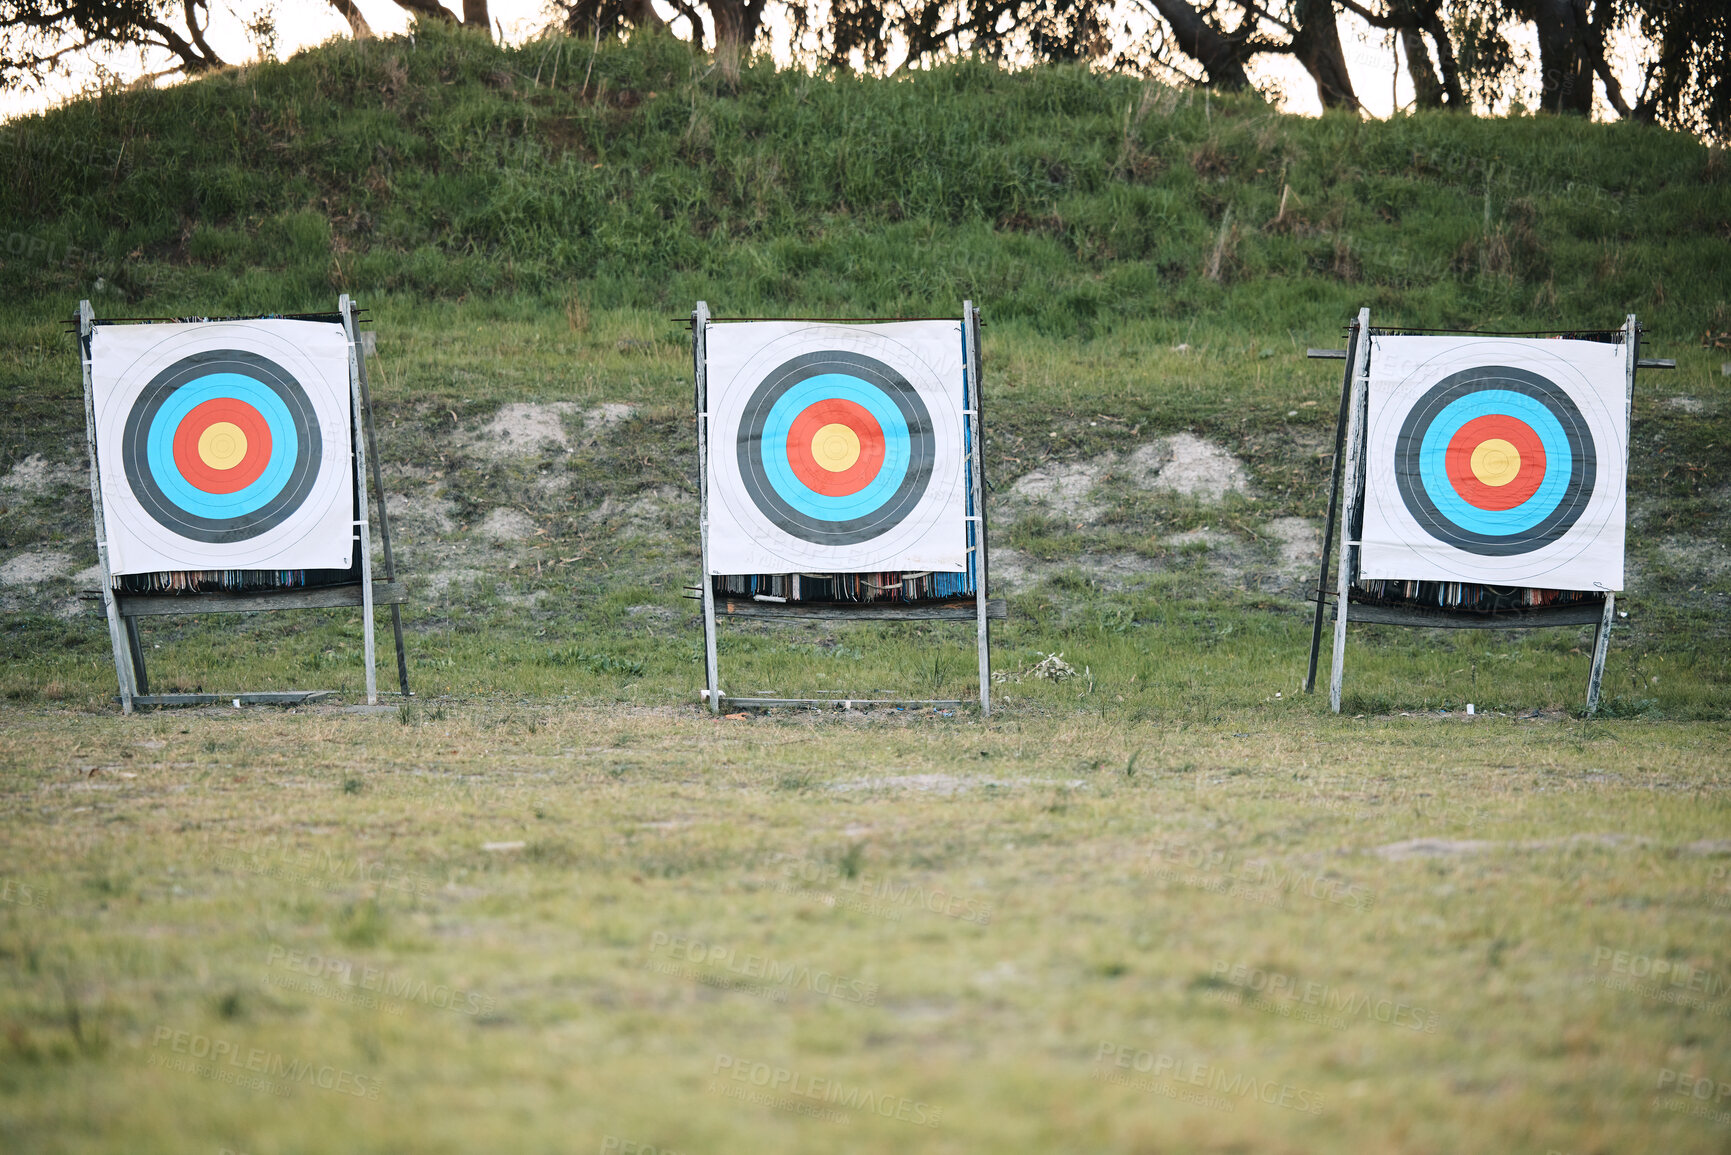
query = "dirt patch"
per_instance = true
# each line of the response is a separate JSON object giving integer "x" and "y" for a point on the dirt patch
{"x": 1452, "y": 847}
{"x": 439, "y": 581}
{"x": 651, "y": 511}
{"x": 1012, "y": 570}
{"x": 1191, "y": 467}
{"x": 1700, "y": 561}
{"x": 947, "y": 784}
{"x": 1182, "y": 464}
{"x": 606, "y": 415}
{"x": 416, "y": 515}
{"x": 1065, "y": 486}
{"x": 1300, "y": 543}
{"x": 1285, "y": 560}
{"x": 522, "y": 428}
{"x": 527, "y": 428}
{"x": 1432, "y": 848}
{"x": 505, "y": 525}
{"x": 36, "y": 474}
{"x": 1687, "y": 404}
{"x": 28, "y": 569}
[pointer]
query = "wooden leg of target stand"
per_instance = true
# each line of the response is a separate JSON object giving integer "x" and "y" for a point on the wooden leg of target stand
{"x": 1601, "y": 645}
{"x": 1335, "y": 470}
{"x": 140, "y": 678}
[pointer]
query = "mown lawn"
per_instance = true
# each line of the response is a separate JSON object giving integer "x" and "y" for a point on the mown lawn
{"x": 526, "y": 925}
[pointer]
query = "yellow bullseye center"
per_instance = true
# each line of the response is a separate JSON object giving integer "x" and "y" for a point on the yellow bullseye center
{"x": 222, "y": 446}
{"x": 835, "y": 447}
{"x": 1496, "y": 462}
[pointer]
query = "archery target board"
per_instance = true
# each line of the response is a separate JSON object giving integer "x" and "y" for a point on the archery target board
{"x": 224, "y": 445}
{"x": 1499, "y": 461}
{"x": 836, "y": 448}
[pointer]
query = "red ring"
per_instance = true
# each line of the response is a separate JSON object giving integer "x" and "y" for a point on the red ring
{"x": 252, "y": 464}
{"x": 1475, "y": 433}
{"x": 835, "y": 411}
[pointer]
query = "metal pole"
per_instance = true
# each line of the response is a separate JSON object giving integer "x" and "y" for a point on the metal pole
{"x": 384, "y": 517}
{"x": 700, "y": 365}
{"x": 359, "y": 434}
{"x": 972, "y": 391}
{"x": 1350, "y": 482}
{"x": 117, "y": 635}
{"x": 1333, "y": 508}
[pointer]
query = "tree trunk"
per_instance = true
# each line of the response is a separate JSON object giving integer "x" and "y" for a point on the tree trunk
{"x": 358, "y": 26}
{"x": 1427, "y": 90}
{"x": 430, "y": 9}
{"x": 736, "y": 24}
{"x": 1445, "y": 55}
{"x": 1316, "y": 43}
{"x": 1221, "y": 56}
{"x": 642, "y": 14}
{"x": 475, "y": 16}
{"x": 1565, "y": 67}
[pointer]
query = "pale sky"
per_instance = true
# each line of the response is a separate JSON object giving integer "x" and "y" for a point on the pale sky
{"x": 302, "y": 23}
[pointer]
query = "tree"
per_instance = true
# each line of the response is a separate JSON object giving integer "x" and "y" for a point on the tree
{"x": 475, "y": 14}
{"x": 737, "y": 23}
{"x": 1002, "y": 30}
{"x": 1686, "y": 82}
{"x": 1303, "y": 29}
{"x": 38, "y": 36}
{"x": 1218, "y": 38}
{"x": 1688, "y": 79}
{"x": 1221, "y": 52}
{"x": 358, "y": 26}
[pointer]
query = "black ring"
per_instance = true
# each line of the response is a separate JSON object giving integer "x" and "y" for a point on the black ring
{"x": 1583, "y": 460}
{"x": 922, "y": 450}
{"x": 134, "y": 452}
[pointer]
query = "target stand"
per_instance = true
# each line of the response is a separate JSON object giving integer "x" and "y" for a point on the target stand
{"x": 229, "y": 469}
{"x": 851, "y": 447}
{"x": 1478, "y": 482}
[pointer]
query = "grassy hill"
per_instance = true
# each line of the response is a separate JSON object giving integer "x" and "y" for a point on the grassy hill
{"x": 528, "y": 225}
{"x": 449, "y": 168}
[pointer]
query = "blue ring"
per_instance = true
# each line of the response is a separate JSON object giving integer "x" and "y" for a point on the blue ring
{"x": 1421, "y": 481}
{"x": 1433, "y": 467}
{"x": 844, "y": 387}
{"x": 299, "y": 443}
{"x": 851, "y": 371}
{"x": 159, "y": 445}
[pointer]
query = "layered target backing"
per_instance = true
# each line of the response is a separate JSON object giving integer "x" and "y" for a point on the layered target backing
{"x": 1496, "y": 460}
{"x": 836, "y": 448}
{"x": 224, "y": 445}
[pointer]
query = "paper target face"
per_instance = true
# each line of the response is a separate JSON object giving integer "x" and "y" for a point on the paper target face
{"x": 224, "y": 445}
{"x": 1496, "y": 461}
{"x": 836, "y": 449}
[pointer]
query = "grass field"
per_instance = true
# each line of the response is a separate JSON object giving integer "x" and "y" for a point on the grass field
{"x": 1167, "y": 904}
{"x": 537, "y": 927}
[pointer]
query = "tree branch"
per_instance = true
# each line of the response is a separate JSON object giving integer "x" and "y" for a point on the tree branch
{"x": 1222, "y": 55}
{"x": 191, "y": 7}
{"x": 1251, "y": 9}
{"x": 1389, "y": 20}
{"x": 350, "y": 11}
{"x": 430, "y": 8}
{"x": 167, "y": 38}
